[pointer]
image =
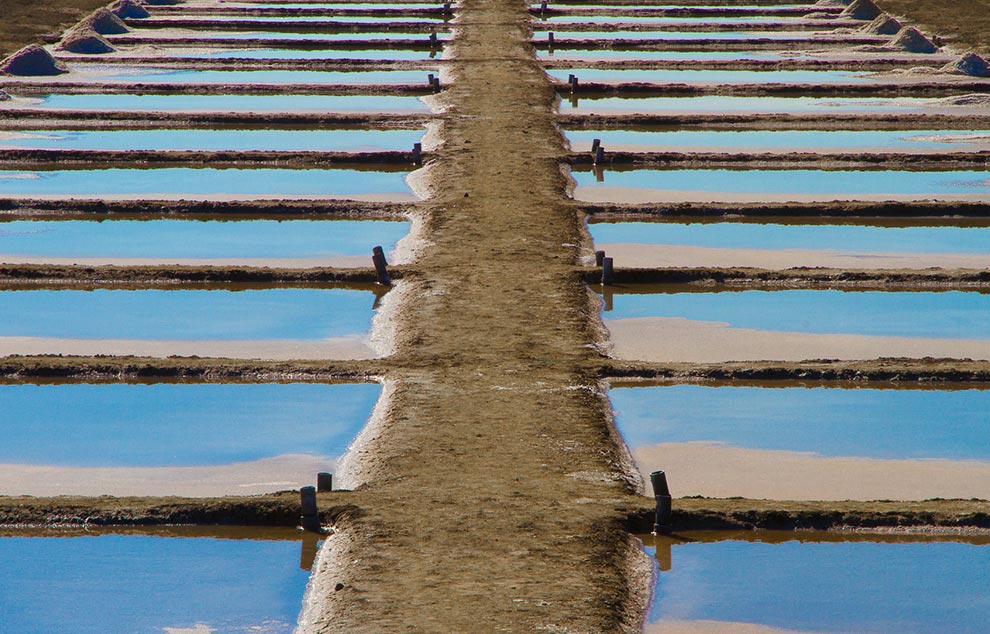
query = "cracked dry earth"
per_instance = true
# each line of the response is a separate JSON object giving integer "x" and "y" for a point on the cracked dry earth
{"x": 499, "y": 486}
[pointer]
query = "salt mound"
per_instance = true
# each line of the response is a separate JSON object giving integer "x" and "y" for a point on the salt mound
{"x": 883, "y": 25}
{"x": 972, "y": 99}
{"x": 85, "y": 41}
{"x": 862, "y": 10}
{"x": 913, "y": 41}
{"x": 31, "y": 60}
{"x": 104, "y": 23}
{"x": 129, "y": 9}
{"x": 969, "y": 64}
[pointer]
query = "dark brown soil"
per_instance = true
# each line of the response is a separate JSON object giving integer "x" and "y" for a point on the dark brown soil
{"x": 24, "y": 22}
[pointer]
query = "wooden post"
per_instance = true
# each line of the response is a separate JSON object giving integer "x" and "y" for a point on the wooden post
{"x": 573, "y": 81}
{"x": 417, "y": 153}
{"x": 595, "y": 144}
{"x": 433, "y": 40}
{"x": 600, "y": 155}
{"x": 661, "y": 492}
{"x": 309, "y": 518}
{"x": 550, "y": 41}
{"x": 381, "y": 267}
{"x": 324, "y": 482}
{"x": 599, "y": 258}
{"x": 608, "y": 274}
{"x": 543, "y": 8}
{"x": 436, "y": 83}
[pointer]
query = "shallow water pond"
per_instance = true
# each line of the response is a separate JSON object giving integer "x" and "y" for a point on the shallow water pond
{"x": 766, "y": 140}
{"x": 237, "y": 582}
{"x": 710, "y": 76}
{"x": 232, "y": 103}
{"x": 207, "y": 35}
{"x": 300, "y": 242}
{"x": 953, "y": 314}
{"x": 663, "y": 56}
{"x": 681, "y": 36}
{"x": 176, "y": 181}
{"x": 397, "y": 54}
{"x": 275, "y": 140}
{"x": 859, "y": 422}
{"x": 797, "y": 183}
{"x": 846, "y": 238}
{"x": 199, "y": 315}
{"x": 661, "y": 21}
{"x": 121, "y": 425}
{"x": 721, "y": 104}
{"x": 811, "y": 582}
{"x": 151, "y": 75}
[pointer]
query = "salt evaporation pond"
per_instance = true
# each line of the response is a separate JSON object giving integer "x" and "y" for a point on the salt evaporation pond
{"x": 716, "y": 583}
{"x": 824, "y": 442}
{"x": 150, "y": 75}
{"x": 782, "y": 140}
{"x": 651, "y": 324}
{"x": 287, "y": 243}
{"x": 640, "y": 186}
{"x": 680, "y": 21}
{"x": 613, "y": 76}
{"x": 319, "y": 21}
{"x": 722, "y": 104}
{"x": 806, "y": 37}
{"x": 227, "y": 103}
{"x": 274, "y": 140}
{"x": 672, "y": 56}
{"x": 203, "y": 36}
{"x": 396, "y": 54}
{"x": 770, "y": 245}
{"x": 231, "y": 183}
{"x": 222, "y": 581}
{"x": 175, "y": 439}
{"x": 282, "y": 323}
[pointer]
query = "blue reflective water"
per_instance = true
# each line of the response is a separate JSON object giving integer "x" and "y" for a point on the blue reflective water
{"x": 655, "y": 56}
{"x": 808, "y": 36}
{"x": 796, "y": 182}
{"x": 289, "y": 53}
{"x": 699, "y": 140}
{"x": 146, "y": 75}
{"x": 334, "y": 5}
{"x": 863, "y": 587}
{"x": 720, "y": 104}
{"x": 867, "y": 423}
{"x": 953, "y": 314}
{"x": 317, "y": 20}
{"x": 235, "y": 103}
{"x": 178, "y": 425}
{"x": 274, "y": 140}
{"x": 297, "y": 314}
{"x": 718, "y": 76}
{"x": 207, "y": 35}
{"x": 171, "y": 239}
{"x": 137, "y": 584}
{"x": 662, "y": 21}
{"x": 202, "y": 181}
{"x": 845, "y": 238}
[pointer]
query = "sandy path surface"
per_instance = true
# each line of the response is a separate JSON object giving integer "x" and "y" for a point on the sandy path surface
{"x": 644, "y": 256}
{"x": 499, "y": 478}
{"x": 341, "y": 348}
{"x": 267, "y": 475}
{"x": 716, "y": 470}
{"x": 679, "y": 626}
{"x": 677, "y": 339}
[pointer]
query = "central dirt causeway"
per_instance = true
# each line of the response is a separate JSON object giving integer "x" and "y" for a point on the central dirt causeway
{"x": 500, "y": 486}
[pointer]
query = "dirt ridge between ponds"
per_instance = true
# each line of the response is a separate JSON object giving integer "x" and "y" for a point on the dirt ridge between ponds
{"x": 502, "y": 494}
